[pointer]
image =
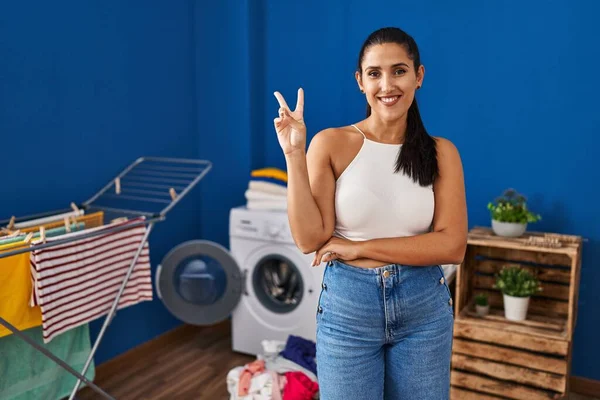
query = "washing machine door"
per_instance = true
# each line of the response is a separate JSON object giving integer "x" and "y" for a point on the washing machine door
{"x": 199, "y": 282}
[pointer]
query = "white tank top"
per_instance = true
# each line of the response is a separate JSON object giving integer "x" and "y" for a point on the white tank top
{"x": 372, "y": 201}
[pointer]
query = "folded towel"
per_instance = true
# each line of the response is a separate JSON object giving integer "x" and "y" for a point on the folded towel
{"x": 274, "y": 173}
{"x": 27, "y": 374}
{"x": 264, "y": 196}
{"x": 267, "y": 187}
{"x": 268, "y": 179}
{"x": 266, "y": 205}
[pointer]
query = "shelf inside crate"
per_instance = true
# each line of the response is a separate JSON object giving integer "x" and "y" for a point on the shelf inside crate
{"x": 554, "y": 327}
{"x": 568, "y": 245}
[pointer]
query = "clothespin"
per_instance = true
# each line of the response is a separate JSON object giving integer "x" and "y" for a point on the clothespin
{"x": 11, "y": 224}
{"x": 67, "y": 224}
{"x": 43, "y": 234}
{"x": 118, "y": 220}
{"x": 15, "y": 233}
{"x": 75, "y": 208}
{"x": 28, "y": 238}
{"x": 173, "y": 194}
{"x": 118, "y": 185}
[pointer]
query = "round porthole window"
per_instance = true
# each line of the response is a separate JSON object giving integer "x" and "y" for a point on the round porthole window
{"x": 200, "y": 280}
{"x": 278, "y": 283}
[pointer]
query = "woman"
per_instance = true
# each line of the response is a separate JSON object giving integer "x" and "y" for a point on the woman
{"x": 383, "y": 204}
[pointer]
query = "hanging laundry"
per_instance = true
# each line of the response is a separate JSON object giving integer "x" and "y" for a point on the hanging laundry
{"x": 15, "y": 291}
{"x": 45, "y": 220}
{"x": 301, "y": 351}
{"x": 27, "y": 374}
{"x": 50, "y": 232}
{"x": 77, "y": 282}
{"x": 15, "y": 279}
{"x": 91, "y": 221}
{"x": 299, "y": 387}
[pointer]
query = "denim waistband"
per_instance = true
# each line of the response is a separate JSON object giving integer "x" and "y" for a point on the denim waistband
{"x": 392, "y": 268}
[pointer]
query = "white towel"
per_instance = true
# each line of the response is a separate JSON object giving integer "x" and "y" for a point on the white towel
{"x": 252, "y": 194}
{"x": 266, "y": 205}
{"x": 267, "y": 187}
{"x": 77, "y": 282}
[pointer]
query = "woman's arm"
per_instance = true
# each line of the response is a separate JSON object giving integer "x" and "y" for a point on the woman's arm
{"x": 311, "y": 190}
{"x": 446, "y": 244}
{"x": 311, "y": 182}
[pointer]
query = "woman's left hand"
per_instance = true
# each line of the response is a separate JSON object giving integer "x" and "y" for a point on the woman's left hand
{"x": 336, "y": 248}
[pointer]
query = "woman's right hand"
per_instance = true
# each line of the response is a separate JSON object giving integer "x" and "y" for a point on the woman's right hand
{"x": 289, "y": 126}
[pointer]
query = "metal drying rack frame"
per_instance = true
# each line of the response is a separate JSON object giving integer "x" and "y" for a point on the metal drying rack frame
{"x": 154, "y": 180}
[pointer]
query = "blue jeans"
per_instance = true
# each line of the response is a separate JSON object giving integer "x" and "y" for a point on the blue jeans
{"x": 384, "y": 333}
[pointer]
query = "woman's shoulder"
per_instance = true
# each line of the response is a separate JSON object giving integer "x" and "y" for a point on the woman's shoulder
{"x": 335, "y": 136}
{"x": 446, "y": 151}
{"x": 444, "y": 145}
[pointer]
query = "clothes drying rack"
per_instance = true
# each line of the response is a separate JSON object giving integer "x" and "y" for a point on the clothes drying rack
{"x": 134, "y": 192}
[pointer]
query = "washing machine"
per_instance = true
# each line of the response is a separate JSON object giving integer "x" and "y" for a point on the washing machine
{"x": 263, "y": 281}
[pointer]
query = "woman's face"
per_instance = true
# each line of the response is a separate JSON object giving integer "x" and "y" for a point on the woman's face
{"x": 389, "y": 80}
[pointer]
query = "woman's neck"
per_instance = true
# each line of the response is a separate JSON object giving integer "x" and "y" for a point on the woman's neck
{"x": 386, "y": 131}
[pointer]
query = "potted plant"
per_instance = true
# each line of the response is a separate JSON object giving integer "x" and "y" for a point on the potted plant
{"x": 517, "y": 286}
{"x": 510, "y": 214}
{"x": 482, "y": 307}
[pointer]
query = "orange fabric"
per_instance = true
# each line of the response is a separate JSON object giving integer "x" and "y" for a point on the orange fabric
{"x": 91, "y": 221}
{"x": 15, "y": 291}
{"x": 249, "y": 371}
{"x": 15, "y": 280}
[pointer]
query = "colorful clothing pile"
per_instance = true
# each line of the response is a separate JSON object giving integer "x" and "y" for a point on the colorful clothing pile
{"x": 289, "y": 375}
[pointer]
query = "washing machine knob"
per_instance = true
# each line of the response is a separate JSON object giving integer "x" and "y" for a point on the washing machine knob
{"x": 272, "y": 230}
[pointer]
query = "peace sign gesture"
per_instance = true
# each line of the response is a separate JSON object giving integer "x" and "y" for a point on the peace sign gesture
{"x": 290, "y": 127}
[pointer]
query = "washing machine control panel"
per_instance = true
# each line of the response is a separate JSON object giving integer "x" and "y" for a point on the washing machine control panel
{"x": 260, "y": 225}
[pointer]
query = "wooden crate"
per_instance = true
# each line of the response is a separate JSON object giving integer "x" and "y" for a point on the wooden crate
{"x": 495, "y": 358}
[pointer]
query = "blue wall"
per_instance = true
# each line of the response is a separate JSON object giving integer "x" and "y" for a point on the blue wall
{"x": 196, "y": 80}
{"x": 85, "y": 89}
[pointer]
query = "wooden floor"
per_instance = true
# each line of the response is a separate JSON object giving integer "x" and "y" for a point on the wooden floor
{"x": 187, "y": 363}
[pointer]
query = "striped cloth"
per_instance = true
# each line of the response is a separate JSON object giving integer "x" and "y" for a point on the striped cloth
{"x": 77, "y": 282}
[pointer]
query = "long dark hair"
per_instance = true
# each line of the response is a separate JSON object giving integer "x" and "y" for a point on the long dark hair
{"x": 418, "y": 155}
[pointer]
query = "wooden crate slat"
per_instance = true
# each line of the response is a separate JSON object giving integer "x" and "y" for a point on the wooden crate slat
{"x": 463, "y": 291}
{"x": 471, "y": 330}
{"x": 505, "y": 389}
{"x": 550, "y": 290}
{"x": 535, "y": 321}
{"x": 574, "y": 294}
{"x": 544, "y": 274}
{"x": 457, "y": 393}
{"x": 507, "y": 372}
{"x": 537, "y": 305}
{"x": 511, "y": 356}
{"x": 529, "y": 256}
{"x": 509, "y": 326}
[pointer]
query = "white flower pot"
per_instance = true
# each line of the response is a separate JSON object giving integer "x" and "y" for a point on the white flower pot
{"x": 515, "y": 308}
{"x": 482, "y": 311}
{"x": 508, "y": 229}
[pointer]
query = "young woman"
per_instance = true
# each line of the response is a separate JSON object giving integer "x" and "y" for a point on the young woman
{"x": 383, "y": 204}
